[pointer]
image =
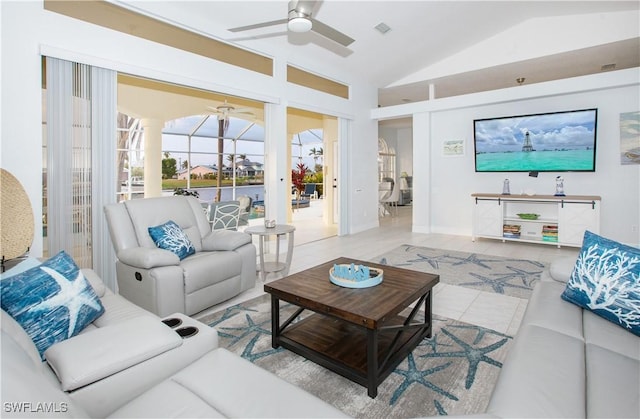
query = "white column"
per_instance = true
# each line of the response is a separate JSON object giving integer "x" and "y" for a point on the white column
{"x": 277, "y": 169}
{"x": 152, "y": 157}
{"x": 330, "y": 138}
{"x": 421, "y": 222}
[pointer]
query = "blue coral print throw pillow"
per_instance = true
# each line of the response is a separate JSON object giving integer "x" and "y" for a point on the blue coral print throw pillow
{"x": 52, "y": 301}
{"x": 169, "y": 236}
{"x": 606, "y": 280}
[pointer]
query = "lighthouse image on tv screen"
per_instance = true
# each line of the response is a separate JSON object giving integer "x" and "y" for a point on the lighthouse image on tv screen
{"x": 549, "y": 142}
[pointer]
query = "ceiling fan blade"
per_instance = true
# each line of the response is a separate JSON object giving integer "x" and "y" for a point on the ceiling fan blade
{"x": 258, "y": 25}
{"x": 242, "y": 110}
{"x": 328, "y": 32}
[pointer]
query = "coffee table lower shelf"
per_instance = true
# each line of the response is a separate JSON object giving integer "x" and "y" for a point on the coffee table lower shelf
{"x": 364, "y": 356}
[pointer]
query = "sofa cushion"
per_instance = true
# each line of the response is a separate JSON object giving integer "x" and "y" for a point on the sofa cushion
{"x": 52, "y": 301}
{"x": 546, "y": 309}
{"x": 12, "y": 328}
{"x": 542, "y": 377}
{"x": 600, "y": 332}
{"x": 216, "y": 386}
{"x": 26, "y": 392}
{"x": 613, "y": 384}
{"x": 605, "y": 280}
{"x": 169, "y": 236}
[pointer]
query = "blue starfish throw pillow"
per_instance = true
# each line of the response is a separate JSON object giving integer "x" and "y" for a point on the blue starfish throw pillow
{"x": 606, "y": 280}
{"x": 169, "y": 236}
{"x": 52, "y": 301}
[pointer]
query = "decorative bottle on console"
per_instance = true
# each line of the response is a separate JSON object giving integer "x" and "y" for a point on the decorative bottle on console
{"x": 505, "y": 187}
{"x": 559, "y": 186}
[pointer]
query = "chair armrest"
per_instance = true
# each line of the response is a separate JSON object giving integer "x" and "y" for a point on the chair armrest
{"x": 224, "y": 240}
{"x": 96, "y": 354}
{"x": 147, "y": 258}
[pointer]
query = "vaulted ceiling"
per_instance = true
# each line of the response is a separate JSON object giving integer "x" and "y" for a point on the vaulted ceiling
{"x": 457, "y": 47}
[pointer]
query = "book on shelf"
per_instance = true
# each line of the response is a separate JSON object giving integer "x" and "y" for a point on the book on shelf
{"x": 511, "y": 231}
{"x": 550, "y": 233}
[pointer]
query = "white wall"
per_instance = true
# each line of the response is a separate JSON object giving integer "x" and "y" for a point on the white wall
{"x": 28, "y": 31}
{"x": 454, "y": 178}
{"x": 443, "y": 185}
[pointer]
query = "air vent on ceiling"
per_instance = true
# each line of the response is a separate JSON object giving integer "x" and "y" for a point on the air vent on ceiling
{"x": 608, "y": 67}
{"x": 382, "y": 28}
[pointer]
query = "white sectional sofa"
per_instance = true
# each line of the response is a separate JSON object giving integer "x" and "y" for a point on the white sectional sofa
{"x": 566, "y": 361}
{"x": 128, "y": 363}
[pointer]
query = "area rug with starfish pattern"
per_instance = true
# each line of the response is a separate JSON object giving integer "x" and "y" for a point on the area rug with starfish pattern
{"x": 508, "y": 276}
{"x": 452, "y": 373}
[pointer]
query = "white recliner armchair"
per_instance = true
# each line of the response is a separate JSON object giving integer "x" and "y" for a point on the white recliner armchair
{"x": 223, "y": 265}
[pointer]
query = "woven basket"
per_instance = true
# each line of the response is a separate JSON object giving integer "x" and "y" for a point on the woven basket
{"x": 16, "y": 217}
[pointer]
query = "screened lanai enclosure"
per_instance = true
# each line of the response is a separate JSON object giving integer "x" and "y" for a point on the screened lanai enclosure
{"x": 211, "y": 147}
{"x": 229, "y": 150}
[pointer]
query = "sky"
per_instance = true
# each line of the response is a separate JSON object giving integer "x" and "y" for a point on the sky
{"x": 175, "y": 140}
{"x": 561, "y": 130}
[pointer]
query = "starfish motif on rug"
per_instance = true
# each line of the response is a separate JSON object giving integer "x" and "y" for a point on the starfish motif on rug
{"x": 433, "y": 343}
{"x": 497, "y": 284}
{"x": 230, "y": 312}
{"x": 247, "y": 330}
{"x": 481, "y": 332}
{"x": 433, "y": 261}
{"x": 384, "y": 261}
{"x": 248, "y": 353}
{"x": 413, "y": 375}
{"x": 474, "y": 355}
{"x": 472, "y": 259}
{"x": 527, "y": 277}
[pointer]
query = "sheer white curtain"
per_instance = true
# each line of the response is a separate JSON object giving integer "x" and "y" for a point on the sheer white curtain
{"x": 80, "y": 163}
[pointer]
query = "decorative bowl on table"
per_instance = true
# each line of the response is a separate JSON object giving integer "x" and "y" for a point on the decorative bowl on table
{"x": 528, "y": 216}
{"x": 355, "y": 276}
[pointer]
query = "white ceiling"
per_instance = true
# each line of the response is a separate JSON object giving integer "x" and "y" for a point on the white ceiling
{"x": 423, "y": 35}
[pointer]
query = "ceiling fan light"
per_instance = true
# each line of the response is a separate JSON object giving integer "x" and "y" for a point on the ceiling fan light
{"x": 299, "y": 24}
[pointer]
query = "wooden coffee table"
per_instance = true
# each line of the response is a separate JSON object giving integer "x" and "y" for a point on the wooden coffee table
{"x": 360, "y": 334}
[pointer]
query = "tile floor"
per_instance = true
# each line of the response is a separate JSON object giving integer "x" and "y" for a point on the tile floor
{"x": 498, "y": 312}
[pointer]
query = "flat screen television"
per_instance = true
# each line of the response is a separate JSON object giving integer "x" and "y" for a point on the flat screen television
{"x": 546, "y": 142}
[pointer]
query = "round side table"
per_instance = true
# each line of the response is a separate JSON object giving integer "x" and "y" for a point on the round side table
{"x": 279, "y": 230}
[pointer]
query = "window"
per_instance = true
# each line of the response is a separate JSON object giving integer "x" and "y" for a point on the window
{"x": 193, "y": 142}
{"x": 386, "y": 162}
{"x": 130, "y": 155}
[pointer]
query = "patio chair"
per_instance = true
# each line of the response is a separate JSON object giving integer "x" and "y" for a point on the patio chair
{"x": 245, "y": 202}
{"x": 309, "y": 191}
{"x": 224, "y": 215}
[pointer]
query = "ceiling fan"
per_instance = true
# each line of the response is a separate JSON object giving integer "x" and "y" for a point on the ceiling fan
{"x": 226, "y": 110}
{"x": 300, "y": 20}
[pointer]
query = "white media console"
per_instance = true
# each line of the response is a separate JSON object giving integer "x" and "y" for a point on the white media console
{"x": 561, "y": 220}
